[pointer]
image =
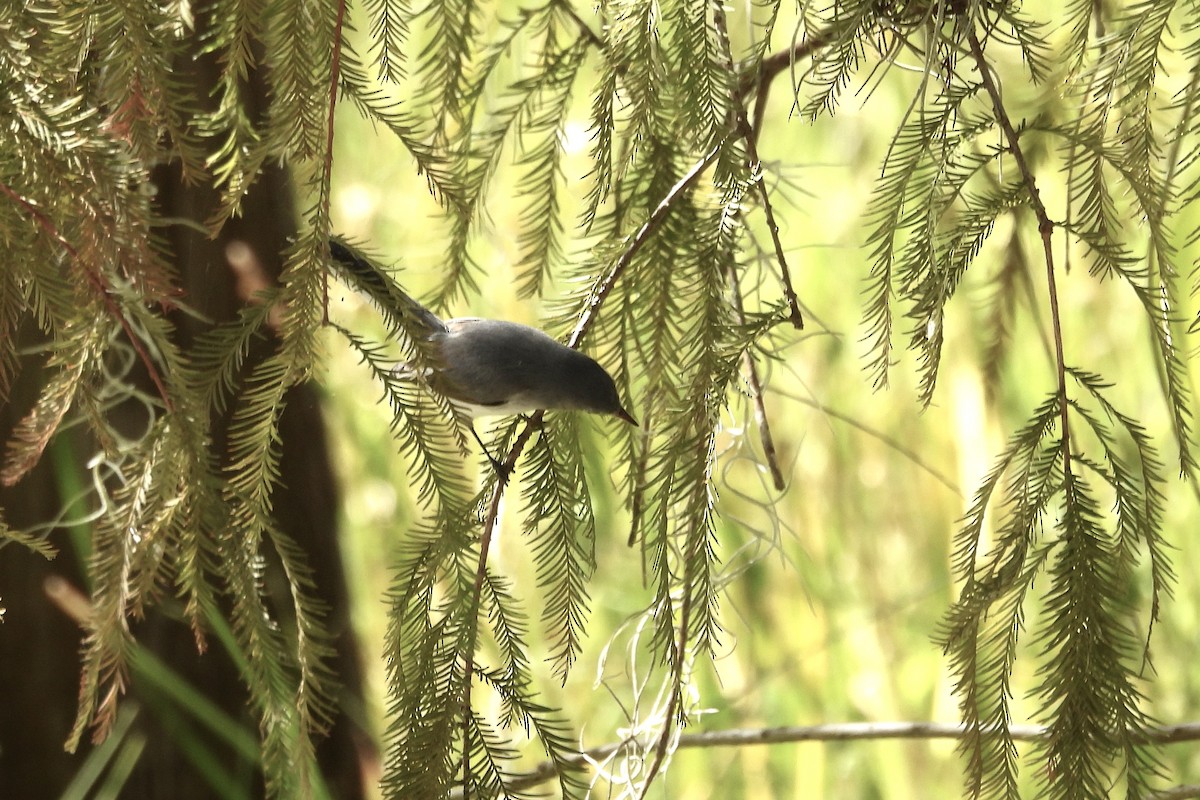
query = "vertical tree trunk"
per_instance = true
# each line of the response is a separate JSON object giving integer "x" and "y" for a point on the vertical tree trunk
{"x": 39, "y": 644}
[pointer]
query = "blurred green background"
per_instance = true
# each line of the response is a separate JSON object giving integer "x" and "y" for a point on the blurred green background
{"x": 836, "y": 585}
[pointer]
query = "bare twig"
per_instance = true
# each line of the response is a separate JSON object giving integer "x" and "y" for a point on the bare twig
{"x": 603, "y": 290}
{"x": 770, "y": 67}
{"x": 1045, "y": 229}
{"x": 99, "y": 285}
{"x": 586, "y": 319}
{"x": 785, "y": 274}
{"x": 639, "y": 240}
{"x": 756, "y": 388}
{"x": 766, "y": 71}
{"x": 840, "y": 732}
{"x": 77, "y": 606}
{"x": 70, "y": 601}
{"x": 693, "y": 559}
{"x": 1098, "y": 17}
{"x": 485, "y": 543}
{"x": 741, "y": 127}
{"x": 753, "y": 80}
{"x": 668, "y": 726}
{"x": 760, "y": 109}
{"x": 601, "y": 293}
{"x": 1176, "y": 793}
{"x": 747, "y": 132}
{"x": 594, "y": 39}
{"x": 750, "y": 133}
{"x": 637, "y": 502}
{"x": 335, "y": 69}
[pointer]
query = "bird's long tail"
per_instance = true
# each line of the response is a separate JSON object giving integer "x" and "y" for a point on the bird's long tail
{"x": 364, "y": 274}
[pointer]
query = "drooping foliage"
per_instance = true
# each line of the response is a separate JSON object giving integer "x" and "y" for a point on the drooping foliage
{"x": 675, "y": 211}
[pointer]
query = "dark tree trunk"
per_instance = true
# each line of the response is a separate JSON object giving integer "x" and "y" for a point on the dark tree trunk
{"x": 39, "y": 644}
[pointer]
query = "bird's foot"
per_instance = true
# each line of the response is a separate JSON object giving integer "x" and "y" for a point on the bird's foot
{"x": 503, "y": 471}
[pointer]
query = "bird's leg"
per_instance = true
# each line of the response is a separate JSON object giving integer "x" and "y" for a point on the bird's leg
{"x": 501, "y": 470}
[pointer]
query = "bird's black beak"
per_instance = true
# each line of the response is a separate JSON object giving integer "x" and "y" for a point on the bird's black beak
{"x": 625, "y": 415}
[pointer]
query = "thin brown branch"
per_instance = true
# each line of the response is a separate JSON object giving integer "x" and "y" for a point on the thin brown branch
{"x": 76, "y": 605}
{"x": 70, "y": 601}
{"x": 490, "y": 521}
{"x": 830, "y": 732}
{"x": 677, "y": 667}
{"x": 485, "y": 545}
{"x": 753, "y": 80}
{"x": 335, "y": 70}
{"x": 639, "y": 240}
{"x": 637, "y": 502}
{"x": 748, "y": 133}
{"x": 764, "y": 72}
{"x": 760, "y": 109}
{"x": 756, "y": 388}
{"x": 664, "y": 736}
{"x": 99, "y": 285}
{"x": 771, "y": 66}
{"x": 586, "y": 319}
{"x": 785, "y": 274}
{"x": 668, "y": 717}
{"x": 743, "y": 128}
{"x": 1045, "y": 229}
{"x": 594, "y": 39}
{"x": 750, "y": 81}
{"x": 1176, "y": 793}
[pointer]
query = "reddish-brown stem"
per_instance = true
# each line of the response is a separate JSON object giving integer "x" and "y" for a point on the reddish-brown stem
{"x": 785, "y": 274}
{"x": 581, "y": 328}
{"x": 776, "y": 63}
{"x": 749, "y": 133}
{"x": 99, "y": 285}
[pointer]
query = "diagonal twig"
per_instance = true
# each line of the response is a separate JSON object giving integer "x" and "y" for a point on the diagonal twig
{"x": 586, "y": 319}
{"x": 1045, "y": 229}
{"x": 763, "y": 73}
{"x": 652, "y": 224}
{"x": 756, "y": 389}
{"x": 335, "y": 69}
{"x": 98, "y": 283}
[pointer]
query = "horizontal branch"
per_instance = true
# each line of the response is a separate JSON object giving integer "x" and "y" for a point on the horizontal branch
{"x": 775, "y": 63}
{"x": 1176, "y": 793}
{"x": 831, "y": 732}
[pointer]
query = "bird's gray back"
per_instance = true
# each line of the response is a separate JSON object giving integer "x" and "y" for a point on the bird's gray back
{"x": 489, "y": 362}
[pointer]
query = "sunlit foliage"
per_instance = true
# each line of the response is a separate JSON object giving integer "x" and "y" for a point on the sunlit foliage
{"x": 668, "y": 225}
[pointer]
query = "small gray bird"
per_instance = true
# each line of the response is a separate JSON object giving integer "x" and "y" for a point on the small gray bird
{"x": 487, "y": 367}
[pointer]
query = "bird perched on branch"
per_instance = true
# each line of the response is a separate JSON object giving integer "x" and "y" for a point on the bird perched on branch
{"x": 489, "y": 367}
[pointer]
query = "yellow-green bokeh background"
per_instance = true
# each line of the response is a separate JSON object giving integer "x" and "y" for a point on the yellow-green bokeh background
{"x": 834, "y": 618}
